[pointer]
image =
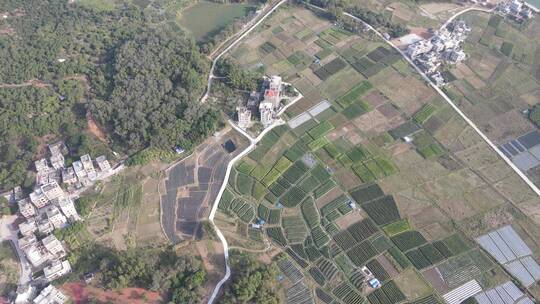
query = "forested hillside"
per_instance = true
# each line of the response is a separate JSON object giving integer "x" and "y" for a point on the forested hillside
{"x": 137, "y": 74}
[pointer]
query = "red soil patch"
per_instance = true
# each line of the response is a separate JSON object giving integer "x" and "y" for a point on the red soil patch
{"x": 80, "y": 293}
{"x": 95, "y": 129}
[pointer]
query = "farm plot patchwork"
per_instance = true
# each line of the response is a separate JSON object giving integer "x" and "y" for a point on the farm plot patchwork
{"x": 368, "y": 197}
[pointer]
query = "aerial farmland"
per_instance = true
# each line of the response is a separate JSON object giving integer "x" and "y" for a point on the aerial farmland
{"x": 372, "y": 169}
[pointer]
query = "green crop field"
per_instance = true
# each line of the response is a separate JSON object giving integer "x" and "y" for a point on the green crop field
{"x": 344, "y": 190}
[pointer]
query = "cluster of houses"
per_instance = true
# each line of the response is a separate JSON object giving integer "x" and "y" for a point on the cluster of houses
{"x": 267, "y": 102}
{"x": 46, "y": 208}
{"x": 443, "y": 48}
{"x": 81, "y": 173}
{"x": 518, "y": 10}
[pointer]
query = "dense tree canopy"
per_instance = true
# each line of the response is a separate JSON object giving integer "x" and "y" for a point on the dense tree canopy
{"x": 159, "y": 75}
{"x": 252, "y": 282}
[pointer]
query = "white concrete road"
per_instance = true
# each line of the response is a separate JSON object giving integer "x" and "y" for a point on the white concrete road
{"x": 9, "y": 233}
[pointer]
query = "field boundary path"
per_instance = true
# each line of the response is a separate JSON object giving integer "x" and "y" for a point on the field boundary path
{"x": 250, "y": 28}
{"x": 448, "y": 100}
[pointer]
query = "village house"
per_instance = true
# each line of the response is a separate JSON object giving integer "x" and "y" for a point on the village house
{"x": 68, "y": 176}
{"x": 52, "y": 191}
{"x": 25, "y": 294}
{"x": 28, "y": 227}
{"x": 88, "y": 166}
{"x": 57, "y": 219}
{"x": 67, "y": 207}
{"x": 44, "y": 226}
{"x": 103, "y": 164}
{"x": 54, "y": 246}
{"x": 266, "y": 110}
{"x": 50, "y": 295}
{"x": 26, "y": 208}
{"x": 36, "y": 255}
{"x": 56, "y": 270}
{"x": 38, "y": 198}
{"x": 244, "y": 117}
{"x": 27, "y": 241}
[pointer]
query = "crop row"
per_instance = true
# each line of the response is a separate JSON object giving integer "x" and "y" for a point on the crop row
{"x": 319, "y": 236}
{"x": 367, "y": 193}
{"x": 382, "y": 210}
{"x": 276, "y": 234}
{"x": 317, "y": 276}
{"x": 327, "y": 268}
{"x": 408, "y": 240}
{"x": 361, "y": 253}
{"x": 378, "y": 270}
{"x": 334, "y": 204}
{"x": 348, "y": 294}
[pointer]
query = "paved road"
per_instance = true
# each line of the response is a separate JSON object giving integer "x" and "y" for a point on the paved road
{"x": 451, "y": 103}
{"x": 7, "y": 233}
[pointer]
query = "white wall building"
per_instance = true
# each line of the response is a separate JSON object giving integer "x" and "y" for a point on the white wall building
{"x": 57, "y": 219}
{"x": 68, "y": 208}
{"x": 26, "y": 208}
{"x": 244, "y": 117}
{"x": 54, "y": 246}
{"x": 103, "y": 164}
{"x": 38, "y": 198}
{"x": 50, "y": 295}
{"x": 56, "y": 270}
{"x": 28, "y": 227}
{"x": 266, "y": 110}
{"x": 88, "y": 166}
{"x": 52, "y": 191}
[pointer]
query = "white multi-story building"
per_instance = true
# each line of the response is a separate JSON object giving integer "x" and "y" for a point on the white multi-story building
{"x": 38, "y": 198}
{"x": 28, "y": 227}
{"x": 56, "y": 270}
{"x": 25, "y": 294}
{"x": 68, "y": 208}
{"x": 27, "y": 241}
{"x": 266, "y": 110}
{"x": 244, "y": 117}
{"x": 36, "y": 255}
{"x": 41, "y": 166}
{"x": 103, "y": 164}
{"x": 52, "y": 191}
{"x": 54, "y": 246}
{"x": 50, "y": 295}
{"x": 26, "y": 208}
{"x": 44, "y": 226}
{"x": 57, "y": 161}
{"x": 88, "y": 166}
{"x": 79, "y": 170}
{"x": 68, "y": 176}
{"x": 272, "y": 93}
{"x": 57, "y": 219}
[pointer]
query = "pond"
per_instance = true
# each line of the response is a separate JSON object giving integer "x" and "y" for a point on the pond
{"x": 206, "y": 18}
